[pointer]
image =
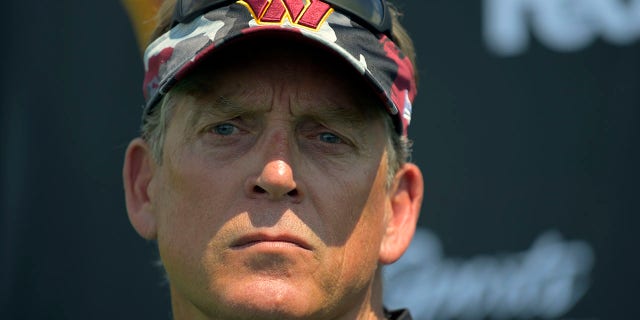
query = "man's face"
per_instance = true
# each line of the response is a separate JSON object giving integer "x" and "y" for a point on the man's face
{"x": 271, "y": 199}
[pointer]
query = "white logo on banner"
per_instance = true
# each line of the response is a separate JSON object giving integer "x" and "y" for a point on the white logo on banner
{"x": 561, "y": 25}
{"x": 545, "y": 281}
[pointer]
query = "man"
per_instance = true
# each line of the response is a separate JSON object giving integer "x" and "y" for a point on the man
{"x": 271, "y": 168}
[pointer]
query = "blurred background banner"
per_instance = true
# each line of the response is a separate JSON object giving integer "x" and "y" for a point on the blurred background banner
{"x": 527, "y": 127}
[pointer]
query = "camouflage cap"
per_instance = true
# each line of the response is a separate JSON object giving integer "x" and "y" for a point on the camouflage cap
{"x": 390, "y": 73}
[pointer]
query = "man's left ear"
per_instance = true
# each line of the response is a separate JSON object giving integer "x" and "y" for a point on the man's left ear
{"x": 405, "y": 198}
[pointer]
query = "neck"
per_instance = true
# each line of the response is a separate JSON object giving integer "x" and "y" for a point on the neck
{"x": 374, "y": 299}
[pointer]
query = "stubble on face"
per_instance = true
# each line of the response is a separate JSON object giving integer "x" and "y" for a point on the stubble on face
{"x": 316, "y": 249}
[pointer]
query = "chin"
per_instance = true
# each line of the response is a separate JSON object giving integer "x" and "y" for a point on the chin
{"x": 274, "y": 299}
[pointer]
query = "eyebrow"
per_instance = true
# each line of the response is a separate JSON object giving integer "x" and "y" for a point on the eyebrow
{"x": 325, "y": 111}
{"x": 220, "y": 107}
{"x": 355, "y": 117}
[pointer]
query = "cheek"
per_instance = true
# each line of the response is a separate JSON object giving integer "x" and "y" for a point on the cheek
{"x": 369, "y": 228}
{"x": 191, "y": 206}
{"x": 357, "y": 222}
{"x": 354, "y": 260}
{"x": 338, "y": 198}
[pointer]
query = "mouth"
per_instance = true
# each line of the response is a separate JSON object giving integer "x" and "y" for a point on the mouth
{"x": 270, "y": 241}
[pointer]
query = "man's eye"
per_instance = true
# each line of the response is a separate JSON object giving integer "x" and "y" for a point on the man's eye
{"x": 224, "y": 129}
{"x": 329, "y": 138}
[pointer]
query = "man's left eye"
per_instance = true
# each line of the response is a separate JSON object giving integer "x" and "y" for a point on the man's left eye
{"x": 329, "y": 137}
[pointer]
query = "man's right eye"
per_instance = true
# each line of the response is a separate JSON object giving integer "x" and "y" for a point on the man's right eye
{"x": 329, "y": 137}
{"x": 224, "y": 129}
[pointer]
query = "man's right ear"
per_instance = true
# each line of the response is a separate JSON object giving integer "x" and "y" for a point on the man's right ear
{"x": 137, "y": 173}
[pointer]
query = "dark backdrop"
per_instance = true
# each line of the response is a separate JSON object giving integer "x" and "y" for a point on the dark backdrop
{"x": 527, "y": 121}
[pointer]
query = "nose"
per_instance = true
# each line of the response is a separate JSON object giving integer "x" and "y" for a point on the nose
{"x": 275, "y": 182}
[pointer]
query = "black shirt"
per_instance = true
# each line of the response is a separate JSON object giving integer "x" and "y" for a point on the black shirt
{"x": 402, "y": 314}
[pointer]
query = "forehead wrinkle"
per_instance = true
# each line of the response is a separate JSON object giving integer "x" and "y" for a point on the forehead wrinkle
{"x": 214, "y": 89}
{"x": 229, "y": 104}
{"x": 219, "y": 107}
{"x": 327, "y": 109}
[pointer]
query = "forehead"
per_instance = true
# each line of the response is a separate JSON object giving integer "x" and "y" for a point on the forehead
{"x": 265, "y": 67}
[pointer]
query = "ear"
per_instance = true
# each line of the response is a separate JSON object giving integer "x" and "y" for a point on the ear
{"x": 405, "y": 199}
{"x": 137, "y": 173}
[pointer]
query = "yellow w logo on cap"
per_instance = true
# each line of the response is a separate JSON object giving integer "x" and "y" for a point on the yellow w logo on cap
{"x": 309, "y": 13}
